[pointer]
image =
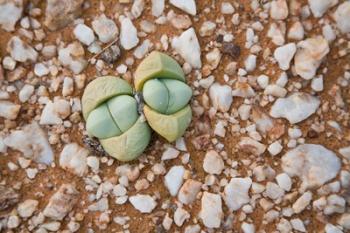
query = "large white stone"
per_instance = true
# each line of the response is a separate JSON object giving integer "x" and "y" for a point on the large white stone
{"x": 105, "y": 28}
{"x": 54, "y": 112}
{"x": 319, "y": 7}
{"x": 236, "y": 193}
{"x": 73, "y": 158}
{"x": 21, "y": 51}
{"x": 189, "y": 191}
{"x": 213, "y": 163}
{"x": 188, "y": 47}
{"x": 84, "y": 34}
{"x": 157, "y": 7}
{"x": 309, "y": 56}
{"x": 189, "y": 6}
{"x": 10, "y": 13}
{"x": 211, "y": 210}
{"x": 61, "y": 202}
{"x": 36, "y": 148}
{"x": 279, "y": 9}
{"x": 9, "y": 110}
{"x": 27, "y": 208}
{"x": 313, "y": 164}
{"x": 221, "y": 97}
{"x": 143, "y": 203}
{"x": 342, "y": 16}
{"x": 73, "y": 57}
{"x": 128, "y": 34}
{"x": 284, "y": 55}
{"x": 296, "y": 107}
{"x": 174, "y": 178}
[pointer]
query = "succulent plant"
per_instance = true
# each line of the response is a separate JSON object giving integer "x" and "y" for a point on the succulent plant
{"x": 111, "y": 111}
{"x": 166, "y": 95}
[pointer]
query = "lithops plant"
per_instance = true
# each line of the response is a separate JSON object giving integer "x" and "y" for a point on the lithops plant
{"x": 111, "y": 112}
{"x": 166, "y": 95}
{"x": 111, "y": 115}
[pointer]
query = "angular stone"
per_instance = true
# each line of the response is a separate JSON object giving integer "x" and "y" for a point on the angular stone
{"x": 73, "y": 158}
{"x": 236, "y": 193}
{"x": 36, "y": 148}
{"x": 188, "y": 47}
{"x": 10, "y": 13}
{"x": 211, "y": 211}
{"x": 296, "y": 107}
{"x": 60, "y": 13}
{"x": 61, "y": 202}
{"x": 312, "y": 163}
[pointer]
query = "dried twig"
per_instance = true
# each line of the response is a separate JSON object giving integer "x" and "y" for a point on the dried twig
{"x": 104, "y": 49}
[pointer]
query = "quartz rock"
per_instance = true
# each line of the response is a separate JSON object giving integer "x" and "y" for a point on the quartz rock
{"x": 180, "y": 216}
{"x": 279, "y": 9}
{"x": 41, "y": 69}
{"x": 312, "y": 163}
{"x": 330, "y": 228}
{"x": 73, "y": 158}
{"x": 10, "y": 13}
{"x": 84, "y": 34}
{"x": 73, "y": 57}
{"x": 36, "y": 148}
{"x": 221, "y": 97}
{"x": 251, "y": 146}
{"x": 296, "y": 31}
{"x": 188, "y": 47}
{"x": 284, "y": 181}
{"x": 157, "y": 7}
{"x": 296, "y": 107}
{"x": 188, "y": 6}
{"x": 174, "y": 178}
{"x": 61, "y": 202}
{"x": 302, "y": 202}
{"x": 9, "y": 110}
{"x": 189, "y": 191}
{"x": 248, "y": 228}
{"x": 143, "y": 203}
{"x": 8, "y": 197}
{"x": 319, "y": 7}
{"x": 236, "y": 193}
{"x": 21, "y": 51}
{"x": 273, "y": 191}
{"x": 309, "y": 56}
{"x": 137, "y": 7}
{"x": 105, "y": 28}
{"x": 170, "y": 153}
{"x": 128, "y": 34}
{"x": 211, "y": 211}
{"x": 207, "y": 28}
{"x": 250, "y": 63}
{"x": 227, "y": 8}
{"x": 60, "y": 13}
{"x": 54, "y": 112}
{"x": 101, "y": 205}
{"x": 344, "y": 221}
{"x": 284, "y": 55}
{"x": 277, "y": 33}
{"x": 13, "y": 222}
{"x": 342, "y": 15}
{"x": 213, "y": 163}
{"x": 27, "y": 208}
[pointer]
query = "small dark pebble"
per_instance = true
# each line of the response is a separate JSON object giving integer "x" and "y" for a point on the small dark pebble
{"x": 94, "y": 145}
{"x": 8, "y": 197}
{"x": 159, "y": 229}
{"x": 312, "y": 133}
{"x": 231, "y": 49}
{"x": 111, "y": 54}
{"x": 220, "y": 38}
